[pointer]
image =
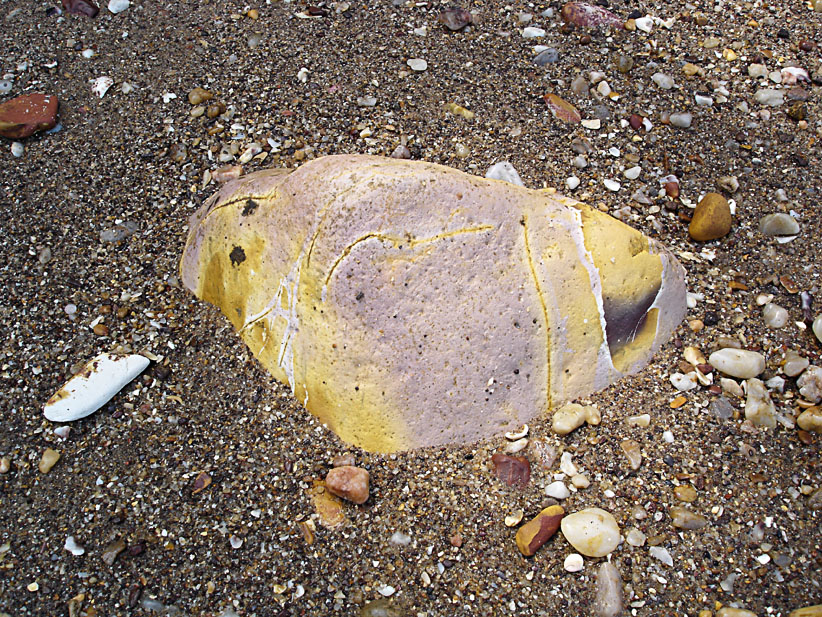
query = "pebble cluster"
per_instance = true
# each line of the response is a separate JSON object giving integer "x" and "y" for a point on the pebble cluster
{"x": 203, "y": 488}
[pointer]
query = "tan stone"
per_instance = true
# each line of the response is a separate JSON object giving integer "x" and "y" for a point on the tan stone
{"x": 408, "y": 304}
{"x": 811, "y": 419}
{"x": 808, "y": 611}
{"x": 711, "y": 218}
{"x": 348, "y": 482}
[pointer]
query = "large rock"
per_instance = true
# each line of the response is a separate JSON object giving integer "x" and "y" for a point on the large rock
{"x": 26, "y": 114}
{"x": 408, "y": 304}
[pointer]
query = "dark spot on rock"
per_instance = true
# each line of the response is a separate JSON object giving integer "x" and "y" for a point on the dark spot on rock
{"x": 360, "y": 295}
{"x": 250, "y": 207}
{"x": 237, "y": 256}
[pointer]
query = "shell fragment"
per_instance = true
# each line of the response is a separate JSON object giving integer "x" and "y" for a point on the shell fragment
{"x": 95, "y": 384}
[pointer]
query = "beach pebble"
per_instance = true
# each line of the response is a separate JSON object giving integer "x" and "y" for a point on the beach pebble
{"x": 48, "y": 460}
{"x": 72, "y": 547}
{"x": 557, "y": 490}
{"x": 661, "y": 553}
{"x": 810, "y": 384}
{"x": 681, "y": 120}
{"x": 572, "y": 182}
{"x": 642, "y": 420}
{"x": 685, "y": 492}
{"x": 17, "y": 149}
{"x": 794, "y": 364}
{"x": 770, "y": 97}
{"x": 646, "y": 24}
{"x": 817, "y": 328}
{"x": 683, "y": 518}
{"x": 5, "y": 464}
{"x": 455, "y": 18}
{"x": 539, "y": 530}
{"x": 632, "y": 173}
{"x": 607, "y": 591}
{"x": 728, "y": 183}
{"x": 778, "y": 224}
{"x": 113, "y": 549}
{"x": 807, "y": 611}
{"x": 546, "y": 56}
{"x": 727, "y": 611}
{"x": 684, "y": 382}
{"x": 811, "y": 419}
{"x": 348, "y": 482}
{"x": 417, "y": 64}
{"x": 504, "y": 171}
{"x": 572, "y": 416}
{"x": 774, "y": 316}
{"x": 532, "y": 33}
{"x": 739, "y": 363}
{"x": 511, "y": 469}
{"x": 581, "y": 481}
{"x": 27, "y": 114}
{"x": 584, "y": 15}
{"x": 756, "y": 70}
{"x": 611, "y": 185}
{"x": 566, "y": 464}
{"x": 635, "y": 537}
{"x": 759, "y": 407}
{"x": 117, "y": 6}
{"x": 632, "y": 452}
{"x": 711, "y": 218}
{"x": 562, "y": 109}
{"x": 666, "y": 82}
{"x": 592, "y": 531}
{"x": 573, "y": 563}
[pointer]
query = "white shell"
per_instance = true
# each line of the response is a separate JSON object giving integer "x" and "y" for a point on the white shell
{"x": 93, "y": 386}
{"x": 514, "y": 436}
{"x": 101, "y": 85}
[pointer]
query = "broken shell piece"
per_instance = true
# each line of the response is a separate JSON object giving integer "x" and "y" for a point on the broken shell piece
{"x": 513, "y": 519}
{"x": 694, "y": 356}
{"x": 91, "y": 388}
{"x": 512, "y": 436}
{"x": 516, "y": 446}
{"x": 101, "y": 85}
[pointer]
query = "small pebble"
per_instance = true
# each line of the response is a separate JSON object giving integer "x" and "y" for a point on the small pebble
{"x": 593, "y": 531}
{"x": 683, "y": 518}
{"x": 48, "y": 460}
{"x": 632, "y": 452}
{"x": 759, "y": 407}
{"x": 662, "y": 554}
{"x": 774, "y": 316}
{"x": 72, "y": 547}
{"x": 539, "y": 530}
{"x": 348, "y": 482}
{"x": 794, "y": 364}
{"x": 778, "y": 224}
{"x": 727, "y": 611}
{"x": 417, "y": 64}
{"x": 571, "y": 416}
{"x": 770, "y": 97}
{"x": 532, "y": 33}
{"x": 557, "y": 490}
{"x": 5, "y": 464}
{"x": 608, "y": 593}
{"x": 711, "y": 218}
{"x": 817, "y": 328}
{"x": 118, "y": 6}
{"x": 666, "y": 82}
{"x": 681, "y": 120}
{"x": 739, "y": 363}
{"x": 504, "y": 171}
{"x": 641, "y": 420}
{"x": 573, "y": 563}
{"x": 17, "y": 149}
{"x": 810, "y": 384}
{"x": 634, "y": 537}
{"x": 808, "y": 420}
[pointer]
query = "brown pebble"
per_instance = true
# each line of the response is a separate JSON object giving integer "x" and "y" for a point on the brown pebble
{"x": 348, "y": 482}
{"x": 100, "y": 329}
{"x": 635, "y": 121}
{"x": 807, "y": 45}
{"x": 512, "y": 469}
{"x": 456, "y": 540}
{"x": 711, "y": 218}
{"x": 198, "y": 95}
{"x": 539, "y": 530}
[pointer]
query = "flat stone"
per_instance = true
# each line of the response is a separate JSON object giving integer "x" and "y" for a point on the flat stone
{"x": 562, "y": 109}
{"x": 309, "y": 265}
{"x": 778, "y": 224}
{"x": 348, "y": 482}
{"x": 632, "y": 453}
{"x": 27, "y": 114}
{"x": 539, "y": 530}
{"x": 512, "y": 470}
{"x": 593, "y": 531}
{"x": 739, "y": 363}
{"x": 608, "y": 593}
{"x": 711, "y": 218}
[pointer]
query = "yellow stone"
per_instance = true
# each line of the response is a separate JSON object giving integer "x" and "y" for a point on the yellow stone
{"x": 686, "y": 493}
{"x": 729, "y": 55}
{"x": 811, "y": 419}
{"x": 408, "y": 304}
{"x": 711, "y": 218}
{"x": 48, "y": 460}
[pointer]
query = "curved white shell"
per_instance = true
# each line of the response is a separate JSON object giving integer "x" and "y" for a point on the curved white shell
{"x": 93, "y": 386}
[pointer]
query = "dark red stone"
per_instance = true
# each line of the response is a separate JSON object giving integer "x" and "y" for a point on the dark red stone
{"x": 584, "y": 15}
{"x": 27, "y": 114}
{"x": 81, "y": 7}
{"x": 512, "y": 469}
{"x": 635, "y": 121}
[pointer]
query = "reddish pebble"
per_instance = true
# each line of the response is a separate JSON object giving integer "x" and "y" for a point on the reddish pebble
{"x": 635, "y": 121}
{"x": 512, "y": 469}
{"x": 27, "y": 114}
{"x": 81, "y": 7}
{"x": 586, "y": 15}
{"x": 348, "y": 482}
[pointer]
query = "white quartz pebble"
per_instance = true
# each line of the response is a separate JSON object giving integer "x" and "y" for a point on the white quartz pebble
{"x": 592, "y": 531}
{"x": 739, "y": 363}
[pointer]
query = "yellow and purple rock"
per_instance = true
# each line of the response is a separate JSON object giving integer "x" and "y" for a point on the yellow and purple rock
{"x": 409, "y": 304}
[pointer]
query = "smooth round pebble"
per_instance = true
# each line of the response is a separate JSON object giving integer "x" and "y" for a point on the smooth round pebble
{"x": 592, "y": 531}
{"x": 572, "y": 182}
{"x": 17, "y": 149}
{"x": 573, "y": 563}
{"x": 774, "y": 316}
{"x": 417, "y": 64}
{"x": 739, "y": 363}
{"x": 817, "y": 327}
{"x": 711, "y": 218}
{"x": 118, "y": 6}
{"x": 681, "y": 120}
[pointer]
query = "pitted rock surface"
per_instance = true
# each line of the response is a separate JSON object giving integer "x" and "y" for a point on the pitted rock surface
{"x": 409, "y": 304}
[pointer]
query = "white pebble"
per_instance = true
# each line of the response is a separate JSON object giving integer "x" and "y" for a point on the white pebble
{"x": 645, "y": 24}
{"x": 504, "y": 171}
{"x": 739, "y": 363}
{"x": 685, "y": 382}
{"x": 775, "y": 316}
{"x": 532, "y": 33}
{"x": 633, "y": 172}
{"x": 117, "y": 6}
{"x": 72, "y": 547}
{"x": 573, "y": 563}
{"x": 417, "y": 64}
{"x": 662, "y": 80}
{"x": 557, "y": 490}
{"x": 635, "y": 537}
{"x": 612, "y": 185}
{"x": 661, "y": 553}
{"x": 668, "y": 437}
{"x": 566, "y": 465}
{"x": 817, "y": 327}
{"x": 572, "y": 182}
{"x": 593, "y": 531}
{"x": 608, "y": 591}
{"x": 17, "y": 149}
